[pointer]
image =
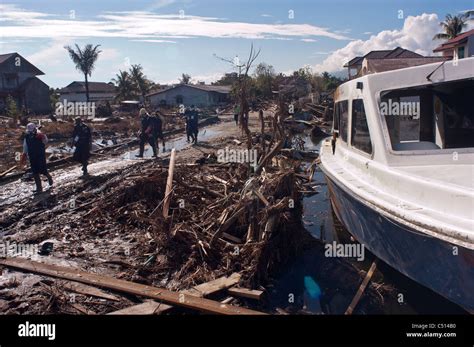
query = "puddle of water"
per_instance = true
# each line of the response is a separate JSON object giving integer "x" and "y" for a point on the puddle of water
{"x": 318, "y": 221}
{"x": 178, "y": 143}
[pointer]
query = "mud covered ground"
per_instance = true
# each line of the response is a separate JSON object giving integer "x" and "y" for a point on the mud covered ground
{"x": 111, "y": 224}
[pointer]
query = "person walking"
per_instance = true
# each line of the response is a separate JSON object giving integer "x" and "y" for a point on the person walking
{"x": 158, "y": 121}
{"x": 82, "y": 140}
{"x": 188, "y": 115}
{"x": 34, "y": 147}
{"x": 236, "y": 114}
{"x": 194, "y": 123}
{"x": 146, "y": 133}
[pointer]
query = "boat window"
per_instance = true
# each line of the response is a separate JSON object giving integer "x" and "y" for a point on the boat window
{"x": 341, "y": 118}
{"x": 360, "y": 135}
{"x": 430, "y": 117}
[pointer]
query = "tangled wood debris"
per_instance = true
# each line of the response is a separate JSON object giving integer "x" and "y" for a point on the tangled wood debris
{"x": 212, "y": 231}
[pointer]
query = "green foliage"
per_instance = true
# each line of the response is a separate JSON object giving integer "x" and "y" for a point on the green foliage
{"x": 11, "y": 107}
{"x": 85, "y": 60}
{"x": 185, "y": 79}
{"x": 140, "y": 82}
{"x": 53, "y": 98}
{"x": 124, "y": 86}
{"x": 453, "y": 26}
{"x": 264, "y": 80}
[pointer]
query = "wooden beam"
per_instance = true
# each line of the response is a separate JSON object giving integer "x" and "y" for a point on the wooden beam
{"x": 246, "y": 293}
{"x": 261, "y": 197}
{"x": 147, "y": 307}
{"x": 88, "y": 290}
{"x": 169, "y": 184}
{"x": 201, "y": 290}
{"x": 167, "y": 296}
{"x": 7, "y": 171}
{"x": 362, "y": 287}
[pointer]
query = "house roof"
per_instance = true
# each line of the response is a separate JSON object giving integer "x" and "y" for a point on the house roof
{"x": 8, "y": 64}
{"x": 381, "y": 65}
{"x": 396, "y": 53}
{"x": 461, "y": 38}
{"x": 204, "y": 87}
{"x": 94, "y": 87}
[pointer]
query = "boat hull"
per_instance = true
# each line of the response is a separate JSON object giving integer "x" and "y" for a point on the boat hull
{"x": 446, "y": 268}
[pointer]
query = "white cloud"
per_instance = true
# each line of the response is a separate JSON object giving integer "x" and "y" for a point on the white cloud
{"x": 309, "y": 40}
{"x": 322, "y": 53}
{"x": 155, "y": 41}
{"x": 208, "y": 78}
{"x": 266, "y": 15}
{"x": 160, "y": 4}
{"x": 52, "y": 54}
{"x": 416, "y": 35}
{"x": 21, "y": 23}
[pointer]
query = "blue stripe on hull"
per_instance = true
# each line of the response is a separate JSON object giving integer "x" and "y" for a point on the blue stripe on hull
{"x": 427, "y": 260}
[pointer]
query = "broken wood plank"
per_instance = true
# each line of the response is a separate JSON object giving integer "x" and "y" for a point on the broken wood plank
{"x": 83, "y": 309}
{"x": 214, "y": 286}
{"x": 361, "y": 289}
{"x": 228, "y": 223}
{"x": 246, "y": 293}
{"x": 218, "y": 179}
{"x": 200, "y": 188}
{"x": 88, "y": 290}
{"x": 7, "y": 171}
{"x": 231, "y": 238}
{"x": 201, "y": 290}
{"x": 281, "y": 311}
{"x": 167, "y": 296}
{"x": 261, "y": 197}
{"x": 146, "y": 307}
{"x": 169, "y": 184}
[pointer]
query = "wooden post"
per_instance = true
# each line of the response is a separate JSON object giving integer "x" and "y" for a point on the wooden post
{"x": 362, "y": 287}
{"x": 169, "y": 184}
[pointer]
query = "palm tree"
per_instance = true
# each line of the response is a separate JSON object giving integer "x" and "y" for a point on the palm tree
{"x": 142, "y": 84}
{"x": 124, "y": 85}
{"x": 452, "y": 26}
{"x": 84, "y": 60}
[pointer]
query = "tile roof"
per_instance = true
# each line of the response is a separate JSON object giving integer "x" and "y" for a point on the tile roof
{"x": 80, "y": 87}
{"x": 204, "y": 87}
{"x": 454, "y": 41}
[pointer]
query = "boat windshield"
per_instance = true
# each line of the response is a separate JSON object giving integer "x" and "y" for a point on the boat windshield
{"x": 430, "y": 117}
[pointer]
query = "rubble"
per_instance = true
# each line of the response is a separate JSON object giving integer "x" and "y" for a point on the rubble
{"x": 224, "y": 221}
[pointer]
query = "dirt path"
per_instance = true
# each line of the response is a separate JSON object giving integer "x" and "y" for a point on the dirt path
{"x": 210, "y": 139}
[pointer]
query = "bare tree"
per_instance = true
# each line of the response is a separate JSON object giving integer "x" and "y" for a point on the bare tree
{"x": 185, "y": 79}
{"x": 243, "y": 84}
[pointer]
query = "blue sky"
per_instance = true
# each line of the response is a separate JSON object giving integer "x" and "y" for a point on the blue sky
{"x": 169, "y": 37}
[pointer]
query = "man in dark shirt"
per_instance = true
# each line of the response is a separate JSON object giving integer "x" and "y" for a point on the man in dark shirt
{"x": 34, "y": 148}
{"x": 82, "y": 140}
{"x": 146, "y": 133}
{"x": 157, "y": 121}
{"x": 194, "y": 121}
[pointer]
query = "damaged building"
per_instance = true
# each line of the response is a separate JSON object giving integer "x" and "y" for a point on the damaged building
{"x": 19, "y": 80}
{"x": 200, "y": 95}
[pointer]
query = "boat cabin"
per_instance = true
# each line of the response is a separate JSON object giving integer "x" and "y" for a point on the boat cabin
{"x": 412, "y": 116}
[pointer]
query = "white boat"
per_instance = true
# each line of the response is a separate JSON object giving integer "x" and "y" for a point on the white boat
{"x": 403, "y": 185}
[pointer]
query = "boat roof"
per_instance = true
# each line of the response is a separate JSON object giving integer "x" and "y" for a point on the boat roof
{"x": 427, "y": 74}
